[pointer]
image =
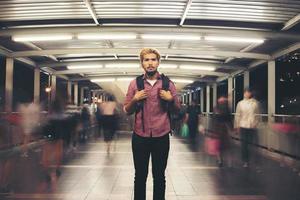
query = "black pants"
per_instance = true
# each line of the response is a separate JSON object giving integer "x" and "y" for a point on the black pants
{"x": 246, "y": 137}
{"x": 142, "y": 148}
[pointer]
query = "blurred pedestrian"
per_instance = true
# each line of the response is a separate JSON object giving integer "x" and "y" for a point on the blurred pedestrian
{"x": 246, "y": 122}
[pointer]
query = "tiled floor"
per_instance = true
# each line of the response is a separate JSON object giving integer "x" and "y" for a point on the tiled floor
{"x": 91, "y": 174}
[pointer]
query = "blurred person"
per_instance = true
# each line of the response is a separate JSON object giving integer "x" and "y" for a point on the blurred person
{"x": 109, "y": 123}
{"x": 98, "y": 115}
{"x": 85, "y": 120}
{"x": 150, "y": 96}
{"x": 222, "y": 126}
{"x": 54, "y": 132}
{"x": 180, "y": 117}
{"x": 6, "y": 163}
{"x": 30, "y": 118}
{"x": 246, "y": 122}
{"x": 193, "y": 120}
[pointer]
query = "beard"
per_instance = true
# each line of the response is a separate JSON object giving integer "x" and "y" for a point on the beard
{"x": 151, "y": 73}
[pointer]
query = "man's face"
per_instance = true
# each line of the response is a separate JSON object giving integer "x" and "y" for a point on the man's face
{"x": 150, "y": 63}
{"x": 247, "y": 95}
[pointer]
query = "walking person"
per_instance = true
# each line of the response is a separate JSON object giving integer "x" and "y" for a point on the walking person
{"x": 246, "y": 122}
{"x": 151, "y": 97}
{"x": 108, "y": 113}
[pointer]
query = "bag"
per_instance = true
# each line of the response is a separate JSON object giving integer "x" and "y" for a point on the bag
{"x": 184, "y": 131}
{"x": 212, "y": 146}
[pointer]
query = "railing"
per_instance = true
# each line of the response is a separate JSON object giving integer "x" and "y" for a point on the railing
{"x": 281, "y": 135}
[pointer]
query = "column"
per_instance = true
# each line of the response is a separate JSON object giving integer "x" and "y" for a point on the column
{"x": 53, "y": 88}
{"x": 69, "y": 91}
{"x": 230, "y": 93}
{"x": 76, "y": 93}
{"x": 202, "y": 99}
{"x": 215, "y": 94}
{"x": 246, "y": 79}
{"x": 271, "y": 89}
{"x": 36, "y": 91}
{"x": 81, "y": 95}
{"x": 9, "y": 84}
{"x": 207, "y": 98}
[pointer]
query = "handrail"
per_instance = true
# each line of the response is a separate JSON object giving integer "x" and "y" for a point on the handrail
{"x": 18, "y": 149}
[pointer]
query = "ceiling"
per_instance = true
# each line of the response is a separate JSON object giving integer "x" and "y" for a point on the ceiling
{"x": 228, "y": 35}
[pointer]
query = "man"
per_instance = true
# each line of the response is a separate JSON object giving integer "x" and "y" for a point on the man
{"x": 152, "y": 125}
{"x": 246, "y": 122}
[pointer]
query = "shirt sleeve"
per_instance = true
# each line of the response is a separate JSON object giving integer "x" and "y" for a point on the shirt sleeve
{"x": 237, "y": 116}
{"x": 130, "y": 93}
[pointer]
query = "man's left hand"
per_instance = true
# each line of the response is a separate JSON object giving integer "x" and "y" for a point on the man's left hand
{"x": 166, "y": 95}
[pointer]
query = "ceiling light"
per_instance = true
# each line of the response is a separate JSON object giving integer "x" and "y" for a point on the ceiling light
{"x": 84, "y": 66}
{"x": 125, "y": 79}
{"x": 167, "y": 66}
{"x": 32, "y": 38}
{"x": 170, "y": 37}
{"x": 122, "y": 65}
{"x": 234, "y": 39}
{"x": 195, "y": 67}
{"x": 99, "y": 80}
{"x": 106, "y": 36}
{"x": 182, "y": 80}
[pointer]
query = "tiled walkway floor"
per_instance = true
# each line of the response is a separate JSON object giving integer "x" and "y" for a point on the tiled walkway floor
{"x": 191, "y": 175}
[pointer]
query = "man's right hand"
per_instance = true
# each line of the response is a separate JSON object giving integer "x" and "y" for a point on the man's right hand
{"x": 140, "y": 95}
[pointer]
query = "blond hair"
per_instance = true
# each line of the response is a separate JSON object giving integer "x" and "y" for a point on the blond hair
{"x": 145, "y": 51}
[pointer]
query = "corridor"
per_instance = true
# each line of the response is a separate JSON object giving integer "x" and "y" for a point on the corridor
{"x": 91, "y": 174}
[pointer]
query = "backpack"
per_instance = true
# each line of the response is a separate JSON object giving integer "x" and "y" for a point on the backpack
{"x": 164, "y": 104}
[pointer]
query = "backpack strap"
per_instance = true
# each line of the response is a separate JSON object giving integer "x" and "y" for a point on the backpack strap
{"x": 164, "y": 104}
{"x": 140, "y": 104}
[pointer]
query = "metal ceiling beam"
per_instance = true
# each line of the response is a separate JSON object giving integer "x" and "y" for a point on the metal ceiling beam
{"x": 5, "y": 52}
{"x": 248, "y": 48}
{"x": 291, "y": 23}
{"x": 173, "y": 30}
{"x": 64, "y": 64}
{"x": 276, "y": 55}
{"x": 27, "y": 61}
{"x": 91, "y": 11}
{"x": 137, "y": 71}
{"x": 186, "y": 10}
{"x": 287, "y": 50}
{"x": 136, "y": 51}
{"x": 29, "y": 44}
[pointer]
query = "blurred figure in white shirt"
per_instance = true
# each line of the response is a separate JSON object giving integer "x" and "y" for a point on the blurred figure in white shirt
{"x": 246, "y": 122}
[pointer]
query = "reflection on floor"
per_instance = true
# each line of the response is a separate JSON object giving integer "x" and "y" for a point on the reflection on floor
{"x": 92, "y": 174}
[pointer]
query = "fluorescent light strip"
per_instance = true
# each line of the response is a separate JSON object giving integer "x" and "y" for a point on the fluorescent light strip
{"x": 167, "y": 66}
{"x": 122, "y": 65}
{"x": 234, "y": 39}
{"x": 106, "y": 36}
{"x": 182, "y": 80}
{"x": 85, "y": 66}
{"x": 125, "y": 79}
{"x": 195, "y": 67}
{"x": 170, "y": 37}
{"x": 32, "y": 38}
{"x": 100, "y": 80}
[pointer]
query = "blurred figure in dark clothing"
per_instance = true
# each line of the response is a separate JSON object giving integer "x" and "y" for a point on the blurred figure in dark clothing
{"x": 222, "y": 124}
{"x": 192, "y": 120}
{"x": 85, "y": 119}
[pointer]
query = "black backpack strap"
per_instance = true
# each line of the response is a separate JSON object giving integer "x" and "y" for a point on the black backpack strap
{"x": 140, "y": 82}
{"x": 140, "y": 104}
{"x": 165, "y": 82}
{"x": 165, "y": 105}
